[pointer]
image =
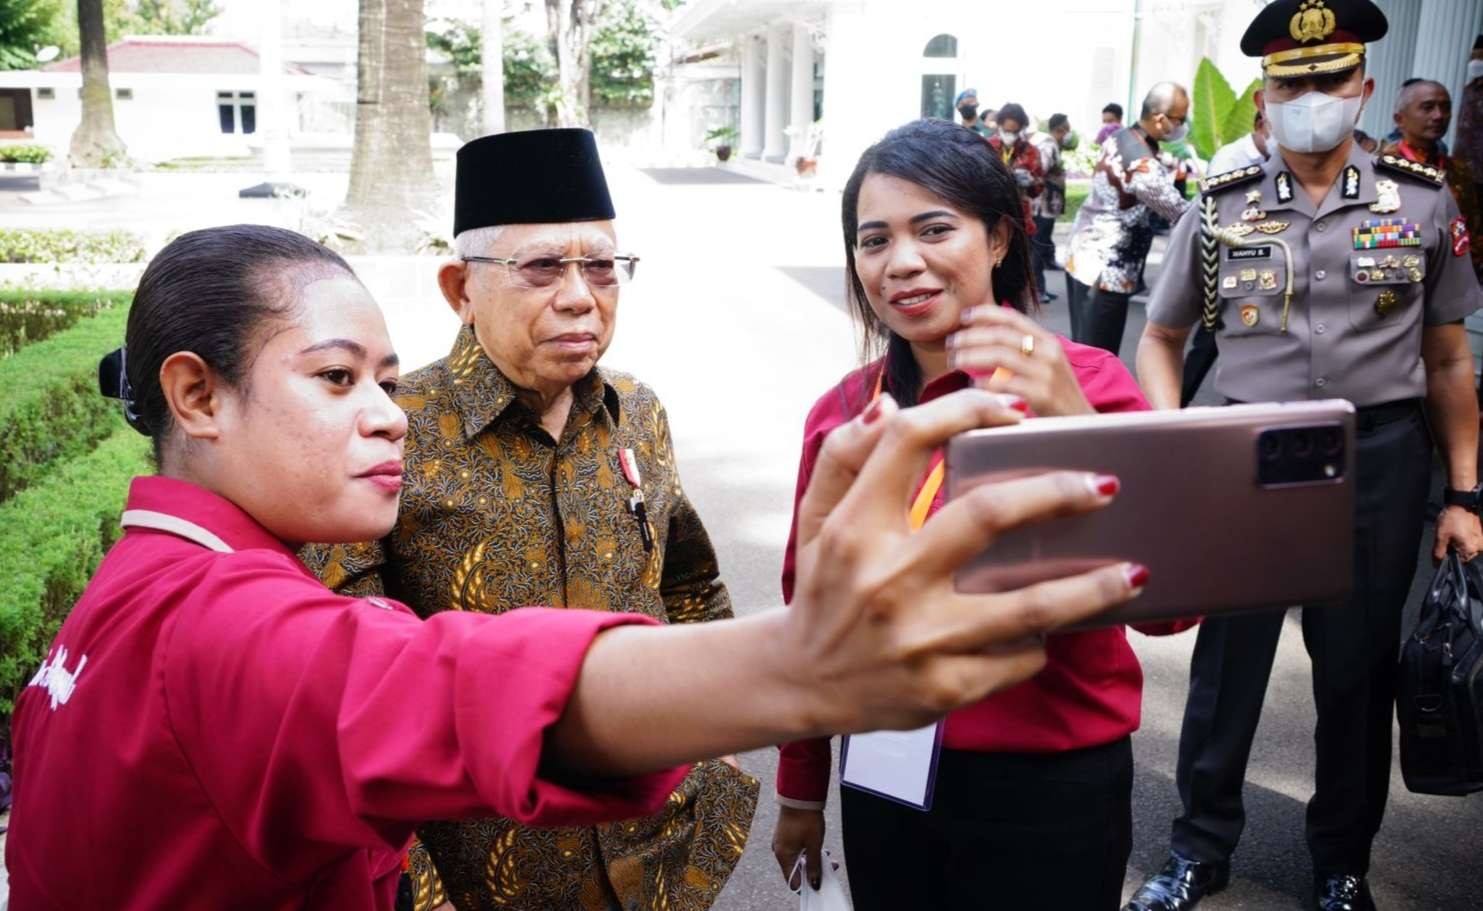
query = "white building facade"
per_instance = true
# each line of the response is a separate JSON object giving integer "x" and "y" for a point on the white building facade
{"x": 862, "y": 67}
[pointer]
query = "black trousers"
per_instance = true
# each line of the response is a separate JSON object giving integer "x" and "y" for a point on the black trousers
{"x": 1098, "y": 316}
{"x": 1045, "y": 832}
{"x": 1043, "y": 248}
{"x": 1197, "y": 363}
{"x": 1353, "y": 647}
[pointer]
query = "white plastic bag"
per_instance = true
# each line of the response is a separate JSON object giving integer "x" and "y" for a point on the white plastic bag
{"x": 830, "y": 896}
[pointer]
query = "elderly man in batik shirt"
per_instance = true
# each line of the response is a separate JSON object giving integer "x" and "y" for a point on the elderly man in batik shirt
{"x": 534, "y": 477}
{"x": 1112, "y": 233}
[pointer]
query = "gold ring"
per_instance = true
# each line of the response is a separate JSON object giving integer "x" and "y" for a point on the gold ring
{"x": 1027, "y": 345}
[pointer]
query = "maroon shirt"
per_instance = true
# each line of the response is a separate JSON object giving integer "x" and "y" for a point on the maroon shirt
{"x": 214, "y": 728}
{"x": 1091, "y": 689}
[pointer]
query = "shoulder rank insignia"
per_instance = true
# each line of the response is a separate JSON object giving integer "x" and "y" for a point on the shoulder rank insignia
{"x": 1284, "y": 187}
{"x": 1350, "y": 190}
{"x": 1413, "y": 168}
{"x": 1230, "y": 178}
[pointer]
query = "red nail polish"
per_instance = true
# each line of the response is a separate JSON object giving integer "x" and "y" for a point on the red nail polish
{"x": 1108, "y": 485}
{"x": 1137, "y": 575}
{"x": 1020, "y": 405}
{"x": 873, "y": 413}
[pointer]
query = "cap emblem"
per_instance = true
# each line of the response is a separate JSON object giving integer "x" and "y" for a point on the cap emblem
{"x": 1312, "y": 22}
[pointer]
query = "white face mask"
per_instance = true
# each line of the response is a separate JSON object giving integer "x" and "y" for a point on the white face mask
{"x": 1475, "y": 69}
{"x": 1316, "y": 122}
{"x": 1178, "y": 133}
{"x": 1008, "y": 137}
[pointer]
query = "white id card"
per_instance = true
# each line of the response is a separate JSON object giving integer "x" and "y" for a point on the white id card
{"x": 896, "y": 765}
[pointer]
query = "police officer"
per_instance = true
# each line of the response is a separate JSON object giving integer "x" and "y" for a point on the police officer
{"x": 1331, "y": 274}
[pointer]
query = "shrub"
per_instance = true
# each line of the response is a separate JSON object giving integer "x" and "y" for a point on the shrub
{"x": 25, "y": 154}
{"x": 55, "y": 535}
{"x": 51, "y": 410}
{"x": 28, "y": 316}
{"x": 24, "y": 245}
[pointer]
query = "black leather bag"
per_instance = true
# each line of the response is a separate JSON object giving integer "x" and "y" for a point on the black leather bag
{"x": 1439, "y": 697}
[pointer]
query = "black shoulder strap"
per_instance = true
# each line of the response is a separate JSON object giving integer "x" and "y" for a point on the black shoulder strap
{"x": 1231, "y": 178}
{"x": 1423, "y": 172}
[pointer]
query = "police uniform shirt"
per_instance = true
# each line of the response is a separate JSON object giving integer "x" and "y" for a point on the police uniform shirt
{"x": 1384, "y": 254}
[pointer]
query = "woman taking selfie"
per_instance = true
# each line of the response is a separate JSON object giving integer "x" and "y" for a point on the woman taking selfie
{"x": 213, "y": 728}
{"x": 1033, "y": 788}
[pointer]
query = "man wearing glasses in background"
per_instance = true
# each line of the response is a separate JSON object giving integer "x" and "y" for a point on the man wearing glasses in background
{"x": 534, "y": 477}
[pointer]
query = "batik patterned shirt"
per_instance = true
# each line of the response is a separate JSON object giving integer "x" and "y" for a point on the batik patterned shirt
{"x": 1112, "y": 235}
{"x": 497, "y": 515}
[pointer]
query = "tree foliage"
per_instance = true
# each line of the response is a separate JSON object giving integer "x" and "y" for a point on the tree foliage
{"x": 169, "y": 17}
{"x": 1217, "y": 114}
{"x": 624, "y": 45}
{"x": 26, "y": 26}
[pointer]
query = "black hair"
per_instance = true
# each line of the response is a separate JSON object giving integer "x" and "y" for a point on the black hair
{"x": 1012, "y": 111}
{"x": 1057, "y": 121}
{"x": 209, "y": 292}
{"x": 1114, "y": 109}
{"x": 958, "y": 166}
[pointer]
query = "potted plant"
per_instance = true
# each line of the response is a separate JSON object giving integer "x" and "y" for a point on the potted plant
{"x": 720, "y": 140}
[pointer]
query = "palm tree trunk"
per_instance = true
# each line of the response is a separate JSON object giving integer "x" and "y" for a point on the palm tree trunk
{"x": 95, "y": 142}
{"x": 392, "y": 186}
{"x": 492, "y": 61}
{"x": 570, "y": 24}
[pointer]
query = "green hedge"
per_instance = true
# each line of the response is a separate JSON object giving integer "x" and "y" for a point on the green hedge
{"x": 56, "y": 532}
{"x": 51, "y": 410}
{"x": 25, "y": 154}
{"x": 28, "y": 316}
{"x": 59, "y": 245}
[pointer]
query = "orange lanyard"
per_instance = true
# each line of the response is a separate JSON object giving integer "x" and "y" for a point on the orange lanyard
{"x": 927, "y": 493}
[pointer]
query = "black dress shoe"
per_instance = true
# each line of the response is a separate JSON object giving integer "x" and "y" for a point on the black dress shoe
{"x": 1342, "y": 892}
{"x": 1180, "y": 885}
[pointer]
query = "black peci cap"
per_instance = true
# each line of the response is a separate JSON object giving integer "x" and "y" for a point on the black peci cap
{"x": 1313, "y": 37}
{"x": 530, "y": 177}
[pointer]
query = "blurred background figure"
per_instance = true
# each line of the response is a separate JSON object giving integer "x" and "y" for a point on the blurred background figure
{"x": 1248, "y": 150}
{"x": 1423, "y": 111}
{"x": 1112, "y": 121}
{"x": 1050, "y": 204}
{"x": 967, "y": 105}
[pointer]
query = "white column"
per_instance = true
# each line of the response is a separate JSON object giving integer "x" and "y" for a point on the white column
{"x": 801, "y": 101}
{"x": 275, "y": 107}
{"x": 1389, "y": 62}
{"x": 776, "y": 112}
{"x": 492, "y": 67}
{"x": 753, "y": 80}
{"x": 1444, "y": 39}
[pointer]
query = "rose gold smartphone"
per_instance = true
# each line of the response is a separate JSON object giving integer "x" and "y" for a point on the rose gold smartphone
{"x": 1236, "y": 508}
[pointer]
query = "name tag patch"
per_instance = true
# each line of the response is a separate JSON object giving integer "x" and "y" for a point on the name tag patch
{"x": 1239, "y": 253}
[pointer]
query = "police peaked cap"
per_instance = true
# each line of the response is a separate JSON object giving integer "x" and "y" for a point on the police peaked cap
{"x": 530, "y": 177}
{"x": 1313, "y": 37}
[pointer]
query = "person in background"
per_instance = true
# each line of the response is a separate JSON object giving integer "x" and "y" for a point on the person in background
{"x": 1248, "y": 150}
{"x": 1366, "y": 142}
{"x": 1373, "y": 321}
{"x": 1470, "y": 117}
{"x": 1014, "y": 149}
{"x": 1112, "y": 233}
{"x": 1112, "y": 121}
{"x": 1034, "y": 789}
{"x": 967, "y": 105}
{"x": 1423, "y": 111}
{"x": 1251, "y": 149}
{"x": 1049, "y": 205}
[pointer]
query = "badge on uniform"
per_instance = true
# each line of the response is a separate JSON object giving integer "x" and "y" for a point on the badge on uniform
{"x": 1461, "y": 240}
{"x": 1386, "y": 302}
{"x": 1253, "y": 213}
{"x": 1239, "y": 229}
{"x": 1272, "y": 227}
{"x": 1383, "y": 233}
{"x": 1351, "y": 183}
{"x": 1389, "y": 197}
{"x": 1251, "y": 314}
{"x": 1284, "y": 187}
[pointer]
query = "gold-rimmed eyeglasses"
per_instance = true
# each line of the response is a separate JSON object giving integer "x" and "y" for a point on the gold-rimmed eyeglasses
{"x": 545, "y": 271}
